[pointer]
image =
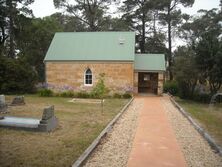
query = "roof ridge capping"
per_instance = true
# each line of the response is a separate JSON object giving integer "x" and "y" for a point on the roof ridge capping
{"x": 92, "y": 32}
{"x": 149, "y": 54}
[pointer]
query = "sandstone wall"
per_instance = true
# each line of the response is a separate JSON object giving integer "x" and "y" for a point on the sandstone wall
{"x": 160, "y": 83}
{"x": 118, "y": 75}
{"x": 135, "y": 82}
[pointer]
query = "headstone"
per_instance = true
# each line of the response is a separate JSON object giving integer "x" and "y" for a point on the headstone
{"x": 3, "y": 105}
{"x": 2, "y": 99}
{"x": 48, "y": 113}
{"x": 18, "y": 100}
{"x": 49, "y": 121}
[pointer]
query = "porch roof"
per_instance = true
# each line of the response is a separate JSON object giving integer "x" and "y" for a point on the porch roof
{"x": 150, "y": 62}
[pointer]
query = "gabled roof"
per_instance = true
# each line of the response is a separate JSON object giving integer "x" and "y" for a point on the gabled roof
{"x": 150, "y": 62}
{"x": 95, "y": 46}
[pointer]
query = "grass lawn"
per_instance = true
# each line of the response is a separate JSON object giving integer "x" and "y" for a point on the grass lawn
{"x": 79, "y": 125}
{"x": 210, "y": 119}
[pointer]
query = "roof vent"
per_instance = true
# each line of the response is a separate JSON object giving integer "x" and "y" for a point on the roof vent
{"x": 121, "y": 40}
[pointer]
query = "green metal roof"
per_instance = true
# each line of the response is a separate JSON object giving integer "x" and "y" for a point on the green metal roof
{"x": 117, "y": 46}
{"x": 150, "y": 62}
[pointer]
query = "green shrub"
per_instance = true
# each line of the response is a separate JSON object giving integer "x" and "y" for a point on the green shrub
{"x": 219, "y": 99}
{"x": 170, "y": 87}
{"x": 202, "y": 98}
{"x": 100, "y": 90}
{"x": 67, "y": 94}
{"x": 127, "y": 96}
{"x": 93, "y": 95}
{"x": 83, "y": 94}
{"x": 117, "y": 95}
{"x": 16, "y": 76}
{"x": 45, "y": 92}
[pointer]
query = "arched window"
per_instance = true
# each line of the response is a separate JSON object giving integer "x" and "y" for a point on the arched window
{"x": 88, "y": 77}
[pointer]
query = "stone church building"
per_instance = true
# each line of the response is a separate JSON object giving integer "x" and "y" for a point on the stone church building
{"x": 75, "y": 61}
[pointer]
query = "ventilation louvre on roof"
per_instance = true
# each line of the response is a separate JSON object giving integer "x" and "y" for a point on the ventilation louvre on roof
{"x": 121, "y": 40}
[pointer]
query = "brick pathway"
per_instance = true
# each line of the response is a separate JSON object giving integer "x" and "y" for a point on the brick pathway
{"x": 155, "y": 144}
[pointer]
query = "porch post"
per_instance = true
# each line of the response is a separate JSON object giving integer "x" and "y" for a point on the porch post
{"x": 160, "y": 83}
{"x": 135, "y": 84}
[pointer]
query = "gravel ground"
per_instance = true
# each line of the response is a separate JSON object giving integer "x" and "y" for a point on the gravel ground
{"x": 115, "y": 148}
{"x": 195, "y": 148}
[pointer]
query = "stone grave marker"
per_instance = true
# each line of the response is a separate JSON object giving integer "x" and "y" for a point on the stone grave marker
{"x": 3, "y": 105}
{"x": 48, "y": 121}
{"x": 2, "y": 99}
{"x": 18, "y": 100}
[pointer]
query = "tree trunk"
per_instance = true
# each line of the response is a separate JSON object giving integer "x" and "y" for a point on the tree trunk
{"x": 193, "y": 88}
{"x": 142, "y": 43}
{"x": 154, "y": 23}
{"x": 11, "y": 31}
{"x": 4, "y": 36}
{"x": 214, "y": 87}
{"x": 169, "y": 43}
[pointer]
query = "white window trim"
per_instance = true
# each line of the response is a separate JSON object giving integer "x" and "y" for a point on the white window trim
{"x": 85, "y": 78}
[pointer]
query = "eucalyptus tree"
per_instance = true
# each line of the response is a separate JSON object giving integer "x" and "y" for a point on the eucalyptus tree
{"x": 203, "y": 34}
{"x": 68, "y": 23}
{"x": 139, "y": 14}
{"x": 185, "y": 71}
{"x": 89, "y": 12}
{"x": 192, "y": 30}
{"x": 171, "y": 17}
{"x": 156, "y": 43}
{"x": 33, "y": 42}
{"x": 3, "y": 24}
{"x": 209, "y": 59}
{"x": 209, "y": 49}
{"x": 221, "y": 5}
{"x": 10, "y": 11}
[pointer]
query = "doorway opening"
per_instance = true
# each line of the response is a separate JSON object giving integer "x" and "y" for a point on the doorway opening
{"x": 147, "y": 82}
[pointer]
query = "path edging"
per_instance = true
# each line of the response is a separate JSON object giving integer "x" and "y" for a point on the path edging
{"x": 203, "y": 133}
{"x": 84, "y": 156}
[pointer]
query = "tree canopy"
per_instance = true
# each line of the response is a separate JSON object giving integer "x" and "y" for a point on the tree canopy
{"x": 91, "y": 13}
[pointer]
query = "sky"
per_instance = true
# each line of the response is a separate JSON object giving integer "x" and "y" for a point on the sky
{"x": 43, "y": 8}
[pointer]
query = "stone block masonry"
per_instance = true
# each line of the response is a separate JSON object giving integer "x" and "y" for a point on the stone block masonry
{"x": 135, "y": 82}
{"x": 160, "y": 83}
{"x": 118, "y": 75}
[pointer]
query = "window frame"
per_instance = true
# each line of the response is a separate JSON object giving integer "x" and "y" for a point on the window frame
{"x": 85, "y": 77}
